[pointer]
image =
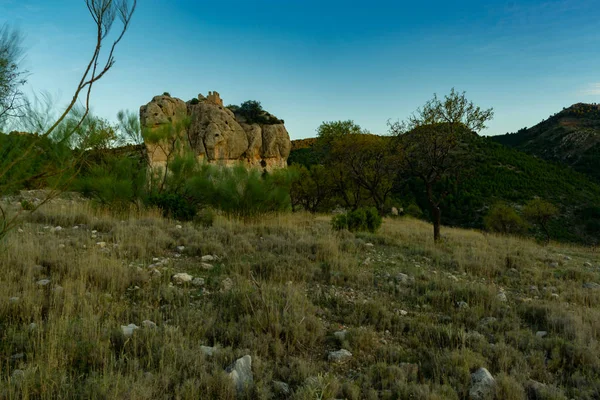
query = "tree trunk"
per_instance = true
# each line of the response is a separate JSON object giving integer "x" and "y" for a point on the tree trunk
{"x": 436, "y": 216}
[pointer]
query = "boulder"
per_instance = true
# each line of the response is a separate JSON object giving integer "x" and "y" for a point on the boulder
{"x": 483, "y": 385}
{"x": 182, "y": 278}
{"x": 339, "y": 356}
{"x": 214, "y": 133}
{"x": 240, "y": 373}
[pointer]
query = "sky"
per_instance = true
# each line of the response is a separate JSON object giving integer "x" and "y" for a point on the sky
{"x": 310, "y": 61}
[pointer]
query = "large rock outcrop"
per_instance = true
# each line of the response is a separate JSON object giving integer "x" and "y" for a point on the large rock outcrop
{"x": 213, "y": 132}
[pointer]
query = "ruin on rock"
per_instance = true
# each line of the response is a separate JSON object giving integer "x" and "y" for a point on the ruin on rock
{"x": 213, "y": 132}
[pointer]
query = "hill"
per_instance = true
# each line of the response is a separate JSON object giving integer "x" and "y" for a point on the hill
{"x": 118, "y": 306}
{"x": 504, "y": 174}
{"x": 571, "y": 136}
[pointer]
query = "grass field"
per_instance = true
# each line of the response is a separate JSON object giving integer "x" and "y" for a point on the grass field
{"x": 418, "y": 318}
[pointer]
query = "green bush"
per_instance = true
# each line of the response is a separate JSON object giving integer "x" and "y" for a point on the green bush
{"x": 194, "y": 101}
{"x": 413, "y": 210}
{"x": 362, "y": 219}
{"x": 504, "y": 219}
{"x": 173, "y": 205}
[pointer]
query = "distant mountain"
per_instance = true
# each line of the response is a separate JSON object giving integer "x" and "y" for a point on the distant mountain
{"x": 571, "y": 136}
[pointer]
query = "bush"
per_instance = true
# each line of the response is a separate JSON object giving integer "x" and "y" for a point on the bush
{"x": 167, "y": 94}
{"x": 504, "y": 219}
{"x": 362, "y": 219}
{"x": 414, "y": 211}
{"x": 194, "y": 101}
{"x": 173, "y": 205}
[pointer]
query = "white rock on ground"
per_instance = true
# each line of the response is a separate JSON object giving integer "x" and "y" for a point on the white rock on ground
{"x": 240, "y": 373}
{"x": 341, "y": 335}
{"x": 502, "y": 297}
{"x": 207, "y": 266}
{"x": 208, "y": 258}
{"x": 43, "y": 282}
{"x": 281, "y": 388}
{"x": 198, "y": 282}
{"x": 339, "y": 356}
{"x": 208, "y": 351}
{"x": 541, "y": 334}
{"x": 148, "y": 324}
{"x": 483, "y": 385}
{"x": 128, "y": 329}
{"x": 182, "y": 278}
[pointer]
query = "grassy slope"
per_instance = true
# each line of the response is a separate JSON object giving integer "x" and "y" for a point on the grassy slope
{"x": 294, "y": 284}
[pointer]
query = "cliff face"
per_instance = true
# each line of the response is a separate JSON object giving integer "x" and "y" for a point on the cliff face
{"x": 213, "y": 132}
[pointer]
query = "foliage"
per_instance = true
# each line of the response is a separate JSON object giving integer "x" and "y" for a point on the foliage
{"x": 312, "y": 189}
{"x": 253, "y": 112}
{"x": 194, "y": 101}
{"x": 362, "y": 219}
{"x": 504, "y": 219}
{"x": 540, "y": 213}
{"x": 433, "y": 144}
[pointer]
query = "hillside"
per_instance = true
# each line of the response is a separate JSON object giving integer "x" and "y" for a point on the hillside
{"x": 571, "y": 136}
{"x": 144, "y": 307}
{"x": 504, "y": 174}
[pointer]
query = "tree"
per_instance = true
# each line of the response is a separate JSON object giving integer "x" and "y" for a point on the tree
{"x": 433, "y": 143}
{"x": 370, "y": 162}
{"x": 312, "y": 189}
{"x": 540, "y": 213}
{"x": 12, "y": 78}
{"x": 504, "y": 219}
{"x": 104, "y": 14}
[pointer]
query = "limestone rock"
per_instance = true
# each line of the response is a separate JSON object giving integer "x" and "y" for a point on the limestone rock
{"x": 214, "y": 133}
{"x": 483, "y": 385}
{"x": 339, "y": 356}
{"x": 281, "y": 388}
{"x": 240, "y": 373}
{"x": 208, "y": 351}
{"x": 182, "y": 278}
{"x": 129, "y": 329}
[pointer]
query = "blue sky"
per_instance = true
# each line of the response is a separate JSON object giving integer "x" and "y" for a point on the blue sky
{"x": 311, "y": 61}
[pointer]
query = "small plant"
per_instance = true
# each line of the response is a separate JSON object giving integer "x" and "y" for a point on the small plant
{"x": 194, "y": 101}
{"x": 173, "y": 205}
{"x": 363, "y": 219}
{"x": 504, "y": 219}
{"x": 167, "y": 94}
{"x": 27, "y": 205}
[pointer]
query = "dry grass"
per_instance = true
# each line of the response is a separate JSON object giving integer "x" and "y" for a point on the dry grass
{"x": 294, "y": 283}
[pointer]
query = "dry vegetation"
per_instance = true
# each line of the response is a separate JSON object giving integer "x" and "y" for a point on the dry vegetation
{"x": 420, "y": 317}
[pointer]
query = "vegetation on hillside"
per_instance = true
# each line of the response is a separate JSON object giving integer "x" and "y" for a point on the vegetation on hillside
{"x": 571, "y": 136}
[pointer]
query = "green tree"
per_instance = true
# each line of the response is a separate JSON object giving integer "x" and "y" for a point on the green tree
{"x": 504, "y": 219}
{"x": 540, "y": 212}
{"x": 433, "y": 143}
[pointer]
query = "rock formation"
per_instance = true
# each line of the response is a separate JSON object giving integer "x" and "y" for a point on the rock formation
{"x": 213, "y": 132}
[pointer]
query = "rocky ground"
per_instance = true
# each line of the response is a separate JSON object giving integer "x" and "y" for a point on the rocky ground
{"x": 103, "y": 306}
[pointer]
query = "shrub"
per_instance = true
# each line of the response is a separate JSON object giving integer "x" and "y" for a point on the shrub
{"x": 194, "y": 101}
{"x": 173, "y": 205}
{"x": 413, "y": 210}
{"x": 362, "y": 219}
{"x": 504, "y": 219}
{"x": 167, "y": 94}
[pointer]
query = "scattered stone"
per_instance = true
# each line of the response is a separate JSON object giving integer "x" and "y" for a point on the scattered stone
{"x": 148, "y": 324}
{"x": 462, "y": 305}
{"x": 341, "y": 335}
{"x": 94, "y": 232}
{"x": 58, "y": 289}
{"x": 226, "y": 285}
{"x": 178, "y": 227}
{"x": 369, "y": 245}
{"x": 155, "y": 273}
{"x": 567, "y": 258}
{"x": 554, "y": 295}
{"x": 61, "y": 246}
{"x": 502, "y": 297}
{"x": 403, "y": 313}
{"x": 17, "y": 356}
{"x": 241, "y": 373}
{"x": 591, "y": 285}
{"x": 339, "y": 356}
{"x": 20, "y": 231}
{"x": 101, "y": 244}
{"x": 483, "y": 385}
{"x": 32, "y": 326}
{"x": 208, "y": 351}
{"x": 208, "y": 258}
{"x": 182, "y": 278}
{"x": 128, "y": 329}
{"x": 403, "y": 278}
{"x": 587, "y": 264}
{"x": 541, "y": 334}
{"x": 207, "y": 266}
{"x": 533, "y": 289}
{"x": 57, "y": 229}
{"x": 281, "y": 388}
{"x": 553, "y": 264}
{"x": 198, "y": 282}
{"x": 43, "y": 282}
{"x": 180, "y": 248}
{"x": 394, "y": 211}
{"x": 14, "y": 300}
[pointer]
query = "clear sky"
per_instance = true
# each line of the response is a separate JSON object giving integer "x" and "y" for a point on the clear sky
{"x": 310, "y": 61}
